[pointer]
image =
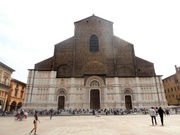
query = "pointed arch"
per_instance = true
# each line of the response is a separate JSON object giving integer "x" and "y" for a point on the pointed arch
{"x": 94, "y": 44}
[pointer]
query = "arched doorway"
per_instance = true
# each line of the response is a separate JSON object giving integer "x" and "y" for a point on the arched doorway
{"x": 13, "y": 106}
{"x": 95, "y": 99}
{"x": 128, "y": 102}
{"x": 19, "y": 105}
{"x": 61, "y": 101}
{"x": 1, "y": 105}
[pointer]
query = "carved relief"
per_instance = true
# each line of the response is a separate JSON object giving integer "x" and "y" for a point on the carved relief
{"x": 94, "y": 84}
{"x": 97, "y": 79}
{"x": 61, "y": 91}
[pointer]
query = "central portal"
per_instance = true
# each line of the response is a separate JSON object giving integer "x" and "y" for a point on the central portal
{"x": 61, "y": 102}
{"x": 128, "y": 102}
{"x": 94, "y": 99}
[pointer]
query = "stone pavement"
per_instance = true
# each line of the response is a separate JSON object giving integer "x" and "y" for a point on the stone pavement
{"x": 92, "y": 125}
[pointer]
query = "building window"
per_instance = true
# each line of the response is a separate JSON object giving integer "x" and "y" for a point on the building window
{"x": 22, "y": 94}
{"x": 16, "y": 90}
{"x": 94, "y": 44}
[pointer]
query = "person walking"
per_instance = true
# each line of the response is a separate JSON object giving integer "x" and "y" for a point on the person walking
{"x": 161, "y": 114}
{"x": 152, "y": 113}
{"x": 35, "y": 123}
{"x": 51, "y": 113}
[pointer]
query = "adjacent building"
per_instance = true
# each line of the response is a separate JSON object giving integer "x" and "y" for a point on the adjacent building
{"x": 172, "y": 88}
{"x": 16, "y": 95}
{"x": 94, "y": 69}
{"x": 5, "y": 78}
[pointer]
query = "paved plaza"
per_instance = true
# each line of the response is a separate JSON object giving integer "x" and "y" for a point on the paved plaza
{"x": 92, "y": 125}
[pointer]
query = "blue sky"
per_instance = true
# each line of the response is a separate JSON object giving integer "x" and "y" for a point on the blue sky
{"x": 30, "y": 29}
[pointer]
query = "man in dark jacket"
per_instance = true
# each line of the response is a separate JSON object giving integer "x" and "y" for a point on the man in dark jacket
{"x": 161, "y": 114}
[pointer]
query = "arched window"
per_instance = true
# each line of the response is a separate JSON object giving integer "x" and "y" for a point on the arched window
{"x": 94, "y": 44}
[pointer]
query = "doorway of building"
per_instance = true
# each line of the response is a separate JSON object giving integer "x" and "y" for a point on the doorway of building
{"x": 19, "y": 105}
{"x": 128, "y": 102}
{"x": 61, "y": 101}
{"x": 94, "y": 99}
{"x": 13, "y": 106}
{"x": 1, "y": 105}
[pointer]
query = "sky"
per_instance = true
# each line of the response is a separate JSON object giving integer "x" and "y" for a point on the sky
{"x": 29, "y": 29}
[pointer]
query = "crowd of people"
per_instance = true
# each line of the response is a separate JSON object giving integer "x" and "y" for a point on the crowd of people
{"x": 21, "y": 114}
{"x": 110, "y": 111}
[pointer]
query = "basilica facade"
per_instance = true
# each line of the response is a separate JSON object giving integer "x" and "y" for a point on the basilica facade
{"x": 94, "y": 69}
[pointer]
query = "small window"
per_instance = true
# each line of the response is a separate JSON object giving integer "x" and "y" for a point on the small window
{"x": 94, "y": 44}
{"x": 22, "y": 94}
{"x": 171, "y": 89}
{"x": 16, "y": 92}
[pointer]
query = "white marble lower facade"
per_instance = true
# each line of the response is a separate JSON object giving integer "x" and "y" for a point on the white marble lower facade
{"x": 45, "y": 91}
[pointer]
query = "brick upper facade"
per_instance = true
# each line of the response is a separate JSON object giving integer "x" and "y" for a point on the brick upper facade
{"x": 115, "y": 57}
